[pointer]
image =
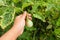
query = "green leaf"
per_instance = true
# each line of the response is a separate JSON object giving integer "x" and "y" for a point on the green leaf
{"x": 25, "y": 4}
{"x": 35, "y": 6}
{"x": 8, "y": 17}
{"x": 49, "y": 27}
{"x": 16, "y": 1}
{"x": 57, "y": 32}
{"x": 1, "y": 2}
{"x": 26, "y": 35}
{"x": 17, "y": 9}
{"x": 39, "y": 16}
{"x": 58, "y": 22}
{"x": 49, "y": 7}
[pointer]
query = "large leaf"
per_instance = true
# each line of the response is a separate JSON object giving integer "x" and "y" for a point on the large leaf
{"x": 16, "y": 1}
{"x": 1, "y": 2}
{"x": 58, "y": 22}
{"x": 25, "y": 4}
{"x": 8, "y": 16}
{"x": 39, "y": 16}
{"x": 57, "y": 32}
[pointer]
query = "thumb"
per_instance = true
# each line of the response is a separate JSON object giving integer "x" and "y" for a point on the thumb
{"x": 24, "y": 15}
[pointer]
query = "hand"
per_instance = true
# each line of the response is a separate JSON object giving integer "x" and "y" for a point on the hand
{"x": 20, "y": 21}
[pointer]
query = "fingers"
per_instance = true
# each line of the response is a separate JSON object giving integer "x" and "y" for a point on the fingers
{"x": 29, "y": 16}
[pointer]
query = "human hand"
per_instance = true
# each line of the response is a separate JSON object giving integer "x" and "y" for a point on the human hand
{"x": 20, "y": 21}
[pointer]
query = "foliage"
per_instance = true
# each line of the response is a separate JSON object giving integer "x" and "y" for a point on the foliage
{"x": 45, "y": 14}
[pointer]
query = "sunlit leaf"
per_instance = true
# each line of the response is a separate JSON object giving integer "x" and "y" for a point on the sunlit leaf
{"x": 39, "y": 16}
{"x": 8, "y": 17}
{"x": 1, "y": 2}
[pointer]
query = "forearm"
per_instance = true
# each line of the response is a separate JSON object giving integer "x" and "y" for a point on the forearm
{"x": 12, "y": 34}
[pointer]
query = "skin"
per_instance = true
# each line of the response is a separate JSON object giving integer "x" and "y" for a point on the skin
{"x": 18, "y": 27}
